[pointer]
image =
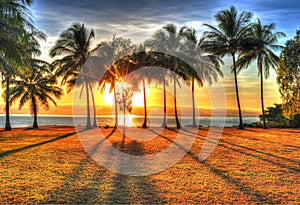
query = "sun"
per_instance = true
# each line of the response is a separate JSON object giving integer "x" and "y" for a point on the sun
{"x": 137, "y": 99}
{"x": 107, "y": 96}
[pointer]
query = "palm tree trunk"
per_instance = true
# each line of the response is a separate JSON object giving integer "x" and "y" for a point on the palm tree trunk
{"x": 35, "y": 123}
{"x": 262, "y": 94}
{"x": 241, "y": 125}
{"x": 88, "y": 115}
{"x": 7, "y": 95}
{"x": 175, "y": 104}
{"x": 94, "y": 107}
{"x": 164, "y": 124}
{"x": 193, "y": 101}
{"x": 116, "y": 108}
{"x": 145, "y": 105}
{"x": 124, "y": 120}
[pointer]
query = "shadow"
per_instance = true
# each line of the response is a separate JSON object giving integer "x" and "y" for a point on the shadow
{"x": 90, "y": 183}
{"x": 256, "y": 139}
{"x": 285, "y": 130}
{"x": 132, "y": 189}
{"x": 81, "y": 186}
{"x": 4, "y": 154}
{"x": 191, "y": 134}
{"x": 88, "y": 171}
{"x": 99, "y": 143}
{"x": 257, "y": 196}
{"x": 294, "y": 169}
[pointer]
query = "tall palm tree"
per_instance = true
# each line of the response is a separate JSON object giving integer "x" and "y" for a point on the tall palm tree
{"x": 229, "y": 38}
{"x": 207, "y": 66}
{"x": 15, "y": 23}
{"x": 174, "y": 46}
{"x": 140, "y": 60}
{"x": 75, "y": 46}
{"x": 157, "y": 43}
{"x": 261, "y": 51}
{"x": 37, "y": 88}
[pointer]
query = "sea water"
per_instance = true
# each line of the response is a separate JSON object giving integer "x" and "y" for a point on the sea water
{"x": 133, "y": 120}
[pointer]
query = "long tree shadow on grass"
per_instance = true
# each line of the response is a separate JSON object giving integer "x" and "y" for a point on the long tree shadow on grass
{"x": 294, "y": 169}
{"x": 264, "y": 140}
{"x": 133, "y": 189}
{"x": 90, "y": 183}
{"x": 256, "y": 196}
{"x": 86, "y": 184}
{"x": 244, "y": 137}
{"x": 10, "y": 152}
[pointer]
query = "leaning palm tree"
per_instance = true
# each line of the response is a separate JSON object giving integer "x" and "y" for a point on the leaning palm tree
{"x": 36, "y": 88}
{"x": 261, "y": 51}
{"x": 229, "y": 38}
{"x": 206, "y": 67}
{"x": 75, "y": 46}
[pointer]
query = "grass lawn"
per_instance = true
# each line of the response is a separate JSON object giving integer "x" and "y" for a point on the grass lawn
{"x": 49, "y": 165}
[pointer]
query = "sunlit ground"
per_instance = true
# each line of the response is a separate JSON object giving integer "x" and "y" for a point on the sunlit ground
{"x": 49, "y": 165}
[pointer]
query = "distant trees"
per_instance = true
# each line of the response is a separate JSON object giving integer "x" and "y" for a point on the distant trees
{"x": 275, "y": 117}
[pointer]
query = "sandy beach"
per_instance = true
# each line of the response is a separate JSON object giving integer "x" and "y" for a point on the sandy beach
{"x": 50, "y": 165}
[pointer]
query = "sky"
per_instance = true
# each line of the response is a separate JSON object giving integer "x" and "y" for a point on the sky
{"x": 139, "y": 19}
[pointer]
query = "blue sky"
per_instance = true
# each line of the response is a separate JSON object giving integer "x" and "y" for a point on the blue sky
{"x": 140, "y": 18}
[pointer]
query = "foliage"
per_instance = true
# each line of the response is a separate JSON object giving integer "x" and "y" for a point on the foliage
{"x": 231, "y": 36}
{"x": 288, "y": 78}
{"x": 124, "y": 95}
{"x": 261, "y": 51}
{"x": 74, "y": 46}
{"x": 275, "y": 118}
{"x": 36, "y": 88}
{"x": 274, "y": 114}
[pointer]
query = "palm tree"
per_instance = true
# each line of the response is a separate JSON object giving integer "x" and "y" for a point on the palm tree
{"x": 140, "y": 61}
{"x": 36, "y": 88}
{"x": 19, "y": 65}
{"x": 262, "y": 52}
{"x": 15, "y": 23}
{"x": 162, "y": 77}
{"x": 75, "y": 46}
{"x": 207, "y": 66}
{"x": 110, "y": 78}
{"x": 229, "y": 38}
{"x": 174, "y": 46}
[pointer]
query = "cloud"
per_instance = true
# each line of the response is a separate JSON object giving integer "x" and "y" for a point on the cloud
{"x": 139, "y": 19}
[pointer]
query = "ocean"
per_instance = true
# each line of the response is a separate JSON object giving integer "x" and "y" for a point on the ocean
{"x": 133, "y": 120}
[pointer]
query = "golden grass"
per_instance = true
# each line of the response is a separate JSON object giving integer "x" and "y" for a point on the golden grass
{"x": 49, "y": 165}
